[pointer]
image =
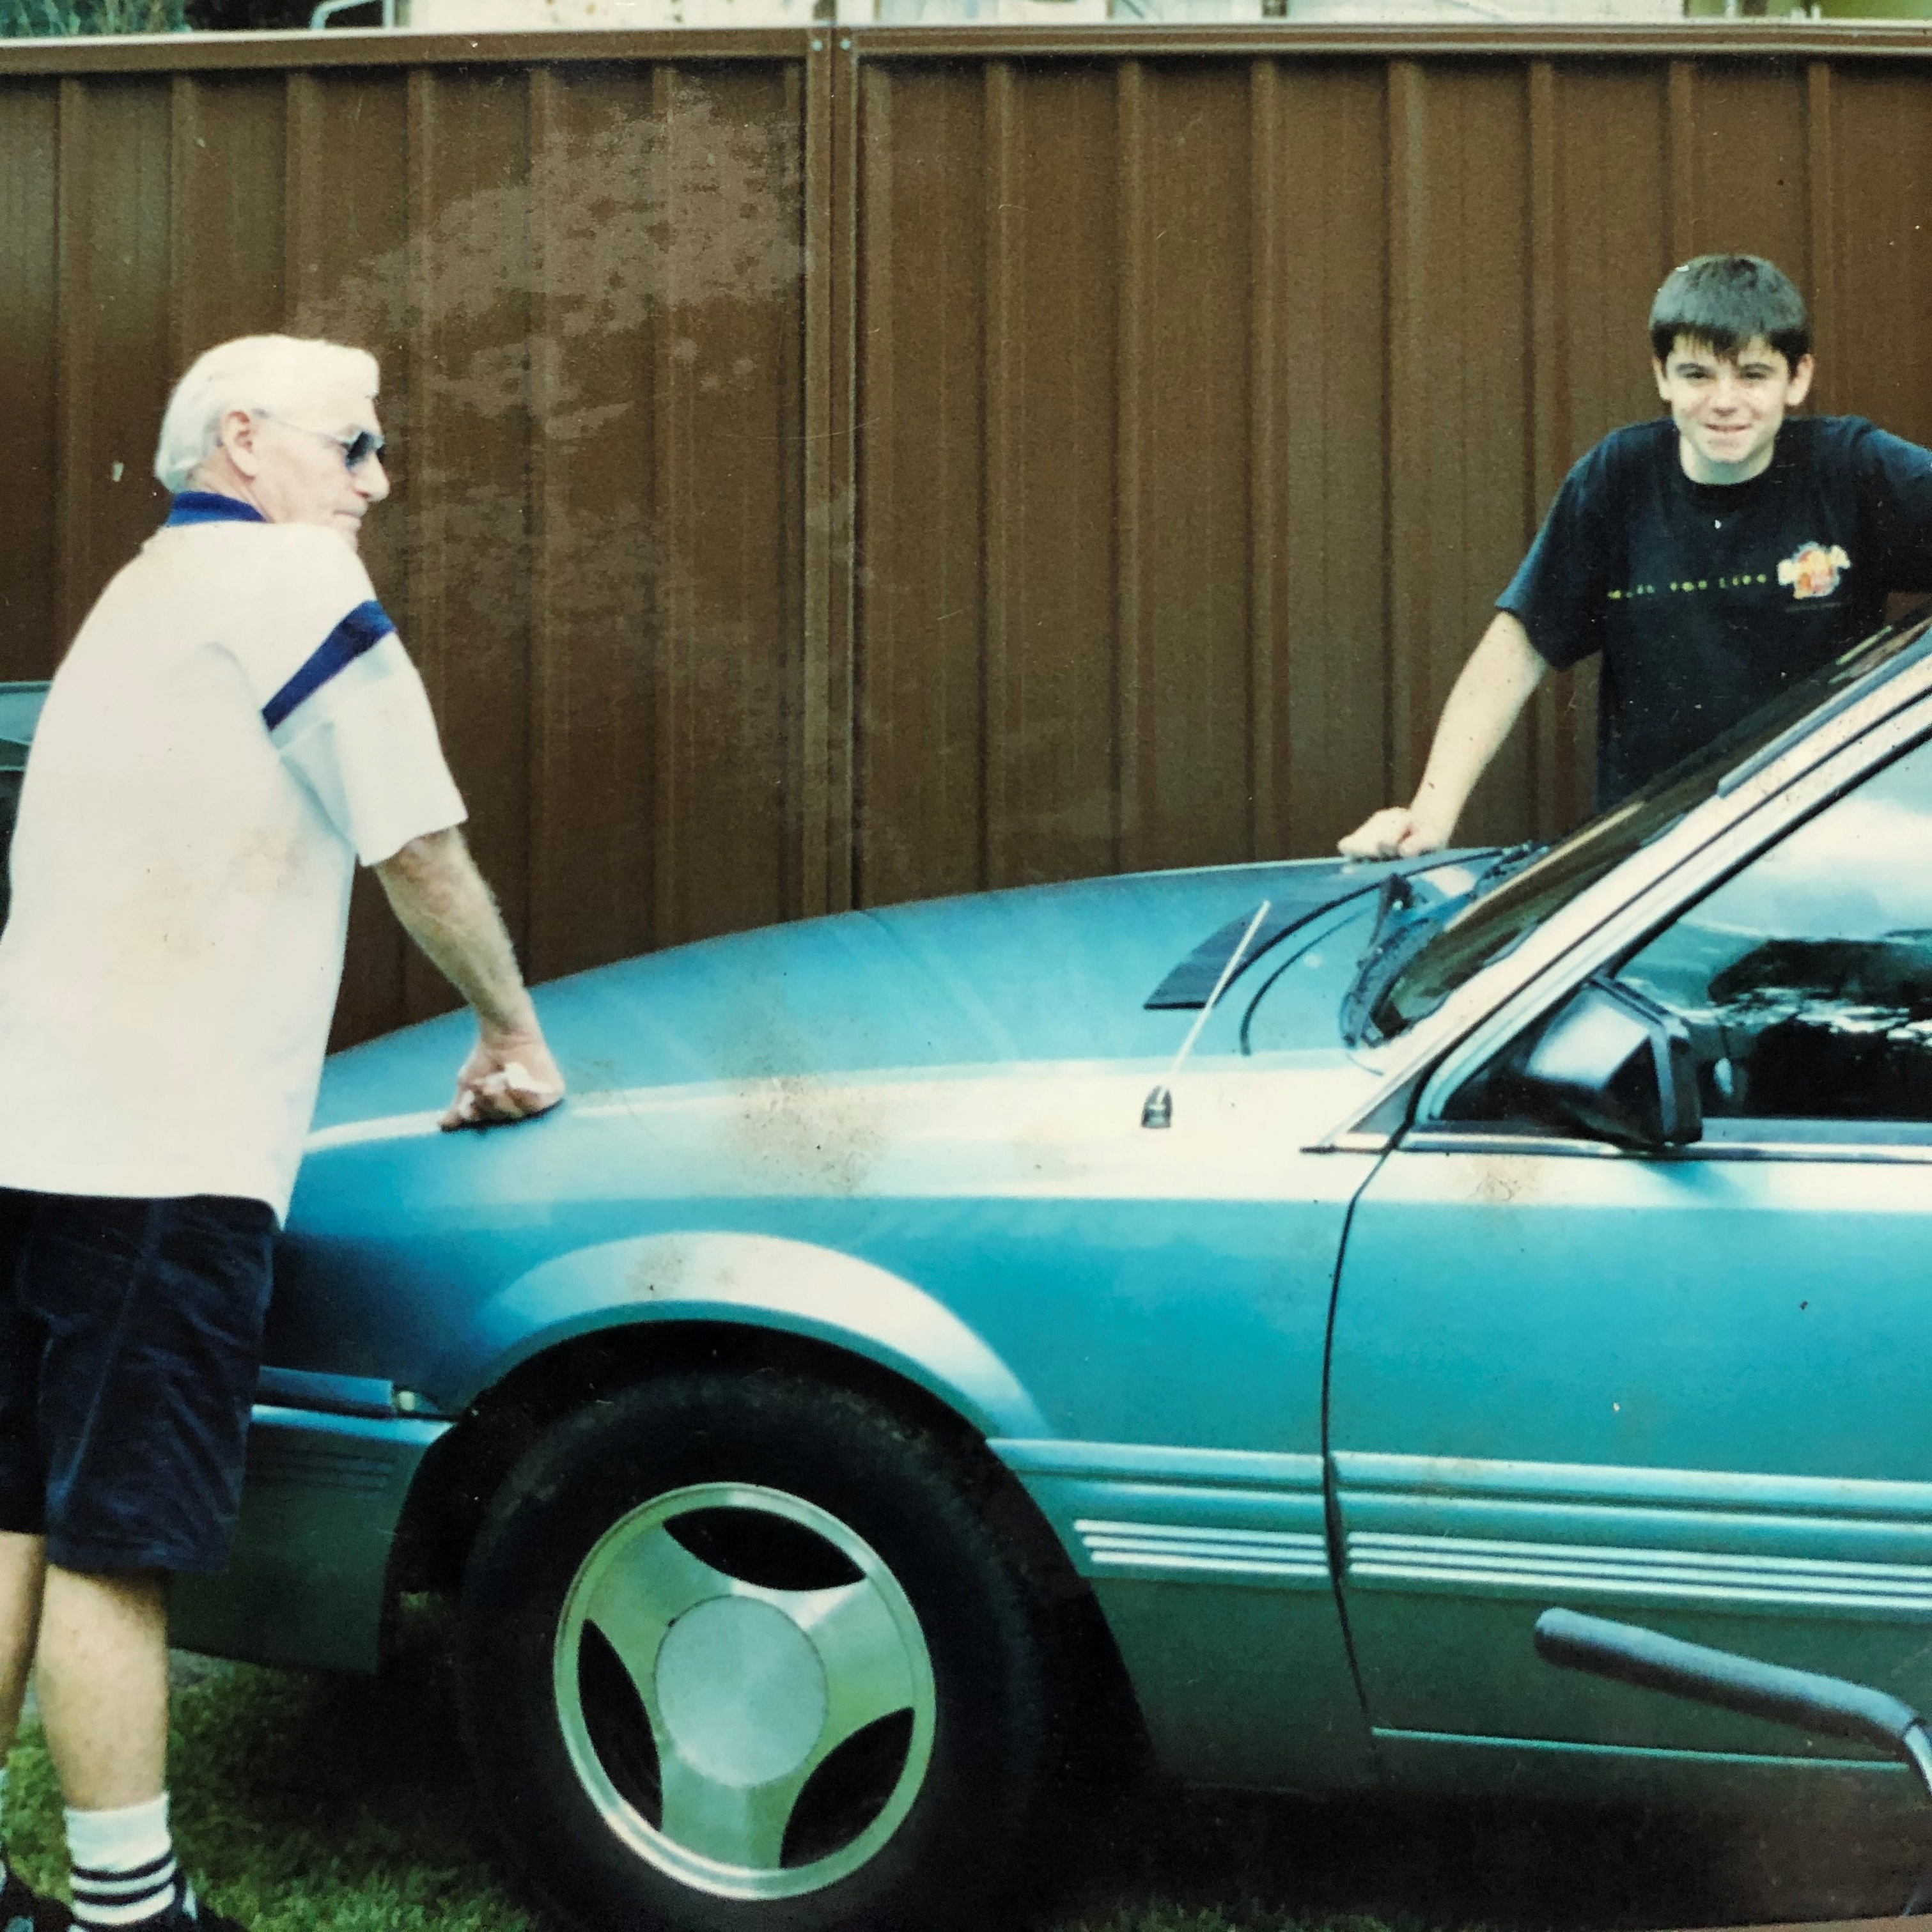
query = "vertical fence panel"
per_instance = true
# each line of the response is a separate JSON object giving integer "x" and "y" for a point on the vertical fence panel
{"x": 1552, "y": 719}
{"x": 1612, "y": 248}
{"x": 1051, "y": 709}
{"x": 999, "y": 188}
{"x": 727, "y": 618}
{"x": 922, "y": 733}
{"x": 1457, "y": 402}
{"x": 1334, "y": 351}
{"x": 30, "y": 640}
{"x": 227, "y": 259}
{"x": 1267, "y": 196}
{"x": 1193, "y": 472}
{"x": 825, "y": 366}
{"x": 1752, "y": 170}
{"x": 1686, "y": 223}
{"x": 1405, "y": 639}
{"x": 113, "y": 339}
{"x": 1877, "y": 358}
{"x": 471, "y": 280}
{"x": 1822, "y": 184}
{"x": 1133, "y": 300}
{"x": 596, "y": 237}
{"x": 872, "y": 464}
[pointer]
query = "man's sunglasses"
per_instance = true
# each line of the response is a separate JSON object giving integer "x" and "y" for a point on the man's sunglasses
{"x": 356, "y": 450}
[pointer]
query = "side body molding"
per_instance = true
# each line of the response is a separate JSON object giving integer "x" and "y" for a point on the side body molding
{"x": 308, "y": 1580}
{"x": 760, "y": 1280}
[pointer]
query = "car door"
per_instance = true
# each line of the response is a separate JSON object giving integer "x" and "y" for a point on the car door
{"x": 1693, "y": 1389}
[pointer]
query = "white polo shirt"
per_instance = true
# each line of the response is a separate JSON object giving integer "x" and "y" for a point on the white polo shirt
{"x": 235, "y": 725}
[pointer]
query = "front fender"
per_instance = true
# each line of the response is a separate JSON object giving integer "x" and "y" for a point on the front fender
{"x": 760, "y": 1280}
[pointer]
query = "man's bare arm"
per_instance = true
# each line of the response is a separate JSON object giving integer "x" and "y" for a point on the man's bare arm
{"x": 1486, "y": 700}
{"x": 446, "y": 908}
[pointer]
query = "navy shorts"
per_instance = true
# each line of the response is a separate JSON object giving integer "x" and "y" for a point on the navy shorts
{"x": 130, "y": 1340}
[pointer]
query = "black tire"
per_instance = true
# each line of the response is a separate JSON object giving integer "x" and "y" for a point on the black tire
{"x": 781, "y": 1487}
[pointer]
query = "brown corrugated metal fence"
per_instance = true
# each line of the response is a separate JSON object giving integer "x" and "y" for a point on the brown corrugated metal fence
{"x": 836, "y": 466}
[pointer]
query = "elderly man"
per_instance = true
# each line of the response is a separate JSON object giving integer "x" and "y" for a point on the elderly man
{"x": 235, "y": 724}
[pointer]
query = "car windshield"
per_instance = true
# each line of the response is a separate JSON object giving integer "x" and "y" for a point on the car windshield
{"x": 1498, "y": 911}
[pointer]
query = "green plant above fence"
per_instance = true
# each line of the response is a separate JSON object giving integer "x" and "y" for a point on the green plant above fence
{"x": 27, "y": 18}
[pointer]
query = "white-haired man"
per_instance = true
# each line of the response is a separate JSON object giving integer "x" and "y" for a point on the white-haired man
{"x": 235, "y": 726}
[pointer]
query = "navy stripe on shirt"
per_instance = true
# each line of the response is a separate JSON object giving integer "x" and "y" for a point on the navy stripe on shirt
{"x": 365, "y": 626}
{"x": 208, "y": 506}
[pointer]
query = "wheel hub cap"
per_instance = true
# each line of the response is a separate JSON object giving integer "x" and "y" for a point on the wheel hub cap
{"x": 740, "y": 1691}
{"x": 759, "y": 1718}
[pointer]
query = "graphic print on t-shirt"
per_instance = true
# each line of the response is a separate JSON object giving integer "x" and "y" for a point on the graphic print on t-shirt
{"x": 1812, "y": 570}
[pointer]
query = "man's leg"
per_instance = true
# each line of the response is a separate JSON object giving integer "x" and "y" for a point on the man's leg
{"x": 153, "y": 1311}
{"x": 103, "y": 1673}
{"x": 130, "y": 1346}
{"x": 23, "y": 1564}
{"x": 23, "y": 1550}
{"x": 103, "y": 1685}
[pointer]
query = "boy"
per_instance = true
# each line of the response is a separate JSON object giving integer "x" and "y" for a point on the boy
{"x": 1710, "y": 557}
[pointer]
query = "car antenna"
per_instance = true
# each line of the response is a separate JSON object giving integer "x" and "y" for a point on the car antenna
{"x": 1158, "y": 1110}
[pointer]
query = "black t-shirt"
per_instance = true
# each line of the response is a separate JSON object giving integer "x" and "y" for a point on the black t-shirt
{"x": 1705, "y": 599}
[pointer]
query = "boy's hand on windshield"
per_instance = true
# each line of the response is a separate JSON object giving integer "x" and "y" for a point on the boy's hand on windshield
{"x": 1396, "y": 832}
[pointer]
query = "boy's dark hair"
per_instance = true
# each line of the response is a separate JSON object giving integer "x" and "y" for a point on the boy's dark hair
{"x": 1724, "y": 301}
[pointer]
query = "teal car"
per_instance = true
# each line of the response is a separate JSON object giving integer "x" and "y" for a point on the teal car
{"x": 1225, "y": 1307}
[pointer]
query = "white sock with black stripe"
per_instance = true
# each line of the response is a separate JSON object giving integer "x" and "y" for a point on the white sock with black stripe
{"x": 124, "y": 1863}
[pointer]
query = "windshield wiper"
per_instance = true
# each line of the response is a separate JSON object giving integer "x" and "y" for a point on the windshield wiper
{"x": 1403, "y": 929}
{"x": 1187, "y": 985}
{"x": 1511, "y": 860}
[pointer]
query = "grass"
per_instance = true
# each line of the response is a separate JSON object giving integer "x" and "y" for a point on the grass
{"x": 309, "y": 1801}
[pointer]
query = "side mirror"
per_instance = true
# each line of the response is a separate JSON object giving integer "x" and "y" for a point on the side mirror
{"x": 1613, "y": 1062}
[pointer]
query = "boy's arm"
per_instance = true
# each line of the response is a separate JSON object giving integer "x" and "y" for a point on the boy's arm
{"x": 1895, "y": 499}
{"x": 1488, "y": 696}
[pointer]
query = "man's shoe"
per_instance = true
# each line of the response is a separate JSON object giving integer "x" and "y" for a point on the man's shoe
{"x": 24, "y": 1909}
{"x": 187, "y": 1914}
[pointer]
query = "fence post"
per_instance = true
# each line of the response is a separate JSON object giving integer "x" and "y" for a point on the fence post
{"x": 831, "y": 119}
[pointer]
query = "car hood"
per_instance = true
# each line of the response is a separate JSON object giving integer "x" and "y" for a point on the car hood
{"x": 1054, "y": 973}
{"x": 850, "y": 1085}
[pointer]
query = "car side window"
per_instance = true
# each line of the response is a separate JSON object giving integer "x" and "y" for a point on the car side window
{"x": 1806, "y": 978}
